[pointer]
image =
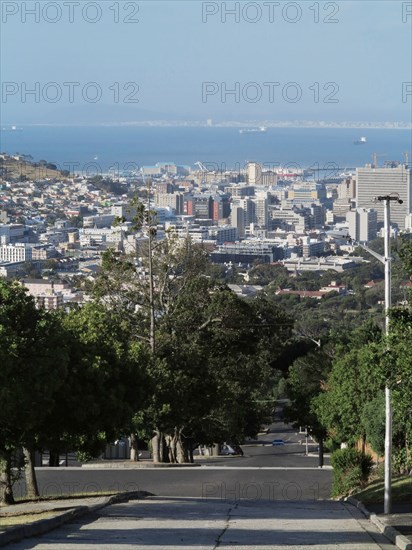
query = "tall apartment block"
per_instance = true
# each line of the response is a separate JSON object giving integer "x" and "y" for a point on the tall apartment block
{"x": 362, "y": 224}
{"x": 372, "y": 182}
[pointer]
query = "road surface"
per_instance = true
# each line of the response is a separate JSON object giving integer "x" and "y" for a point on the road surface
{"x": 272, "y": 498}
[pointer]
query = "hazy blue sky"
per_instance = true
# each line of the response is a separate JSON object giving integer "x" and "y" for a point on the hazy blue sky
{"x": 176, "y": 47}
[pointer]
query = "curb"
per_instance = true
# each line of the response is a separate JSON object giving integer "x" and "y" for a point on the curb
{"x": 392, "y": 534}
{"x": 135, "y": 465}
{"x": 43, "y": 526}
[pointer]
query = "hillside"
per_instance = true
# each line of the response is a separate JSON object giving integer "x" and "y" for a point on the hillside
{"x": 20, "y": 169}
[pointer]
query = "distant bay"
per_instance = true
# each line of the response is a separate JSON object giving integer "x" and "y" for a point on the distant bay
{"x": 128, "y": 147}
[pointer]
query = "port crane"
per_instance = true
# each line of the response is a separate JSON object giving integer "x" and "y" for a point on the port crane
{"x": 375, "y": 158}
{"x": 203, "y": 169}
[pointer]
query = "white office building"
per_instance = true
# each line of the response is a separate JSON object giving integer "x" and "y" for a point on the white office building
{"x": 19, "y": 252}
{"x": 372, "y": 182}
{"x": 362, "y": 224}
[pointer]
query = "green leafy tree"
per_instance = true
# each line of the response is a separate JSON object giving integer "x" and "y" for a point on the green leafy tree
{"x": 353, "y": 381}
{"x": 373, "y": 420}
{"x": 306, "y": 380}
{"x": 209, "y": 349}
{"x": 104, "y": 383}
{"x": 397, "y": 364}
{"x": 32, "y": 369}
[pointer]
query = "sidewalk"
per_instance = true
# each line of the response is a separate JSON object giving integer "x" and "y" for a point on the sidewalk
{"x": 206, "y": 524}
{"x": 397, "y": 527}
{"x": 61, "y": 511}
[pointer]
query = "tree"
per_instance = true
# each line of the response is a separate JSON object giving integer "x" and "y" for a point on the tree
{"x": 263, "y": 274}
{"x": 210, "y": 356}
{"x": 306, "y": 381}
{"x": 212, "y": 350}
{"x": 373, "y": 420}
{"x": 354, "y": 380}
{"x": 397, "y": 365}
{"x": 106, "y": 371}
{"x": 32, "y": 369}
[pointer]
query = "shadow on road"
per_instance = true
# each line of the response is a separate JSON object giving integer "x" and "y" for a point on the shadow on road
{"x": 209, "y": 523}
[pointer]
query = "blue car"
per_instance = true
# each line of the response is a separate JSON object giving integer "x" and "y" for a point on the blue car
{"x": 278, "y": 442}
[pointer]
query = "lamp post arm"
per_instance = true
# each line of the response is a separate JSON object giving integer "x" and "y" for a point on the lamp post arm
{"x": 379, "y": 257}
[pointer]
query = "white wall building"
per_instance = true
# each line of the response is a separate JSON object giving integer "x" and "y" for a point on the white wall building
{"x": 362, "y": 224}
{"x": 19, "y": 252}
{"x": 372, "y": 182}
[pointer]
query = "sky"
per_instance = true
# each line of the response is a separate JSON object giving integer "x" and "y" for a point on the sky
{"x": 117, "y": 61}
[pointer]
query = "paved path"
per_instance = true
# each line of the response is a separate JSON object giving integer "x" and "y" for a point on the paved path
{"x": 167, "y": 523}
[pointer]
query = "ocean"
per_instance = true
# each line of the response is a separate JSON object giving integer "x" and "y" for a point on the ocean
{"x": 94, "y": 149}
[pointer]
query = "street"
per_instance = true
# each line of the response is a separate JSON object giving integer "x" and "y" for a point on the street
{"x": 265, "y": 472}
{"x": 271, "y": 498}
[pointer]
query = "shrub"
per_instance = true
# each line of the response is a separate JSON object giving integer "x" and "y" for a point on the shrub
{"x": 351, "y": 470}
{"x": 402, "y": 461}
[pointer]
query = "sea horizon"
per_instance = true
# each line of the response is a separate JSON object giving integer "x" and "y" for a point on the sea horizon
{"x": 129, "y": 147}
{"x": 384, "y": 125}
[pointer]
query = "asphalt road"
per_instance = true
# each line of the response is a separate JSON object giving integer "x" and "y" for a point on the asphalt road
{"x": 272, "y": 498}
{"x": 265, "y": 472}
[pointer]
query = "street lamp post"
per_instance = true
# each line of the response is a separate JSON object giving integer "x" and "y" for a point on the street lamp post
{"x": 386, "y": 199}
{"x": 386, "y": 260}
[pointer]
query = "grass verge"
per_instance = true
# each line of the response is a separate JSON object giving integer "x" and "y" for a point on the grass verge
{"x": 23, "y": 519}
{"x": 24, "y": 500}
{"x": 373, "y": 493}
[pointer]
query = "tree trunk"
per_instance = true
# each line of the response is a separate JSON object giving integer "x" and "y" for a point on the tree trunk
{"x": 54, "y": 459}
{"x": 182, "y": 455}
{"x": 32, "y": 489}
{"x": 171, "y": 442}
{"x": 215, "y": 449}
{"x": 160, "y": 450}
{"x": 164, "y": 451}
{"x": 134, "y": 449}
{"x": 156, "y": 446}
{"x": 6, "y": 488}
{"x": 363, "y": 444}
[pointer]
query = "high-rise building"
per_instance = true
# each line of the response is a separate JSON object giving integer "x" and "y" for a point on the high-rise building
{"x": 221, "y": 207}
{"x": 346, "y": 195}
{"x": 240, "y": 190}
{"x": 200, "y": 206}
{"x": 172, "y": 200}
{"x": 372, "y": 182}
{"x": 249, "y": 209}
{"x": 261, "y": 210}
{"x": 304, "y": 192}
{"x": 254, "y": 173}
{"x": 363, "y": 224}
{"x": 237, "y": 219}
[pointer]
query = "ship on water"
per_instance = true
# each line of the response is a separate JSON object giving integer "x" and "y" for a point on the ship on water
{"x": 360, "y": 141}
{"x": 260, "y": 130}
{"x": 12, "y": 129}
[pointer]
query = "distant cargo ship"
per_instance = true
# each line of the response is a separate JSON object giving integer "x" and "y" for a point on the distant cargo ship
{"x": 12, "y": 129}
{"x": 360, "y": 141}
{"x": 260, "y": 130}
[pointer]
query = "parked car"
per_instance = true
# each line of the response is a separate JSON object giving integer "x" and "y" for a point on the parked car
{"x": 231, "y": 449}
